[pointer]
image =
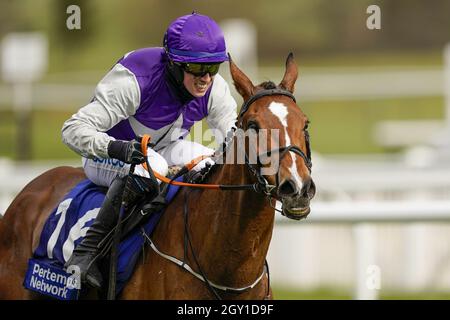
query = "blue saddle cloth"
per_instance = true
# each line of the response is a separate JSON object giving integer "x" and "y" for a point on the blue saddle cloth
{"x": 68, "y": 223}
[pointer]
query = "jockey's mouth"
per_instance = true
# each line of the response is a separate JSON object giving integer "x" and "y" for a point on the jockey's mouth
{"x": 200, "y": 85}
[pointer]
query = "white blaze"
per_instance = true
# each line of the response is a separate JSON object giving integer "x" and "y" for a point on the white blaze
{"x": 281, "y": 112}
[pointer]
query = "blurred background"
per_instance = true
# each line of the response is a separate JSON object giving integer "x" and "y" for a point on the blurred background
{"x": 378, "y": 102}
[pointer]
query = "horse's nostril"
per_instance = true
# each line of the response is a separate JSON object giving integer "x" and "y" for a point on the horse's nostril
{"x": 309, "y": 189}
{"x": 287, "y": 188}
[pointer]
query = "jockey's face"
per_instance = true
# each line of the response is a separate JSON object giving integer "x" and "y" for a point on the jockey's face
{"x": 197, "y": 86}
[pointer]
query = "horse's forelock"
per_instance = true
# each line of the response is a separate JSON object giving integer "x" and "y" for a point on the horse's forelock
{"x": 267, "y": 85}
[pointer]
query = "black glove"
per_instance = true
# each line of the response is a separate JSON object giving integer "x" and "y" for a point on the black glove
{"x": 126, "y": 151}
{"x": 137, "y": 187}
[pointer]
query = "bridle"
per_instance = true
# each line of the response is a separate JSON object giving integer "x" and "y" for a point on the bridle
{"x": 260, "y": 186}
{"x": 263, "y": 185}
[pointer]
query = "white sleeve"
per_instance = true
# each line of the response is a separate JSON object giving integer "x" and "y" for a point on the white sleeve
{"x": 221, "y": 109}
{"x": 117, "y": 97}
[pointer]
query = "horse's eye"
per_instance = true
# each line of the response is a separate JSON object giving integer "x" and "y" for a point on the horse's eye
{"x": 306, "y": 126}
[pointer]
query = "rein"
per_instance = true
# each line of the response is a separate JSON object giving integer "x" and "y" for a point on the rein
{"x": 145, "y": 142}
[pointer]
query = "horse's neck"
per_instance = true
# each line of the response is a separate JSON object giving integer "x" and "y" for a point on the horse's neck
{"x": 239, "y": 230}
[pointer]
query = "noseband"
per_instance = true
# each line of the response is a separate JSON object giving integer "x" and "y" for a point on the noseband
{"x": 262, "y": 182}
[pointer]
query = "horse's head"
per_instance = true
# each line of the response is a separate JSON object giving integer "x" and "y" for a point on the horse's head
{"x": 272, "y": 109}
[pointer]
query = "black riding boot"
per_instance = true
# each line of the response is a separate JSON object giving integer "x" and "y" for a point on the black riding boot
{"x": 133, "y": 188}
{"x": 85, "y": 253}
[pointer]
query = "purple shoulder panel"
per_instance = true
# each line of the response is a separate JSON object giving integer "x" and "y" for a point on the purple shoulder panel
{"x": 147, "y": 65}
{"x": 158, "y": 106}
{"x": 144, "y": 62}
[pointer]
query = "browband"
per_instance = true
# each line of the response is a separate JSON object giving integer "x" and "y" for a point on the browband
{"x": 263, "y": 93}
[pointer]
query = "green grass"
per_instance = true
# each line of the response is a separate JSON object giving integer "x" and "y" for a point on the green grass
{"x": 7, "y": 133}
{"x": 347, "y": 127}
{"x": 367, "y": 59}
{"x": 337, "y": 127}
{"x": 281, "y": 293}
{"x": 45, "y": 135}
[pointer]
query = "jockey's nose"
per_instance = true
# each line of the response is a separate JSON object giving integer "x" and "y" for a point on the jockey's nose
{"x": 206, "y": 77}
{"x": 287, "y": 188}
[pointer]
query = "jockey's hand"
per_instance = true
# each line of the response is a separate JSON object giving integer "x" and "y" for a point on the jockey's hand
{"x": 126, "y": 151}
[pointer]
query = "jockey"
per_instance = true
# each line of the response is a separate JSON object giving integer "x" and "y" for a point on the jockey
{"x": 157, "y": 91}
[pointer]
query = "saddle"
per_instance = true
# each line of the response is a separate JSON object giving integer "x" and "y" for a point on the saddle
{"x": 67, "y": 225}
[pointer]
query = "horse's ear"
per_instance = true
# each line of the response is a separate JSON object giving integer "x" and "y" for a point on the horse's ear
{"x": 241, "y": 82}
{"x": 290, "y": 75}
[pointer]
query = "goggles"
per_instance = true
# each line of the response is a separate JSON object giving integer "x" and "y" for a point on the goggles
{"x": 201, "y": 69}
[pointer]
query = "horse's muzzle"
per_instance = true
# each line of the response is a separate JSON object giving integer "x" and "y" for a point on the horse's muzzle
{"x": 297, "y": 206}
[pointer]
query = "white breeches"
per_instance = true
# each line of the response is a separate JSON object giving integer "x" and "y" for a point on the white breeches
{"x": 103, "y": 171}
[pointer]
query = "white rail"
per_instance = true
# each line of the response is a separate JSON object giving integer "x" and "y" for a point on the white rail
{"x": 376, "y": 212}
{"x": 362, "y": 216}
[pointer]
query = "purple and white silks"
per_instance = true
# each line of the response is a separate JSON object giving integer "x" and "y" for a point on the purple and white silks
{"x": 134, "y": 99}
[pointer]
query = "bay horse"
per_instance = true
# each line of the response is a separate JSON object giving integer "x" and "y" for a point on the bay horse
{"x": 229, "y": 231}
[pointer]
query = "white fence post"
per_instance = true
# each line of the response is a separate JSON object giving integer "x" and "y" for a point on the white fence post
{"x": 241, "y": 40}
{"x": 367, "y": 272}
{"x": 24, "y": 59}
